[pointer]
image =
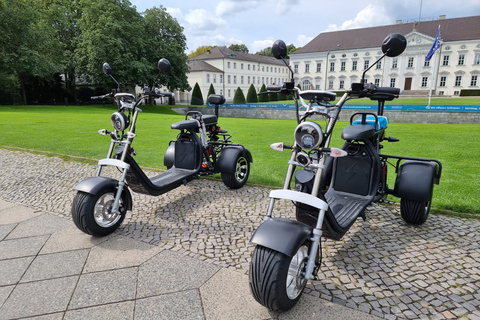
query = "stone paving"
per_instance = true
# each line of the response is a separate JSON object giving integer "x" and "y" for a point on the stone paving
{"x": 382, "y": 266}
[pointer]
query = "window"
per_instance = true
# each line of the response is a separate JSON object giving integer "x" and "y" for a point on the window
{"x": 354, "y": 65}
{"x": 342, "y": 84}
{"x": 253, "y": 67}
{"x": 394, "y": 63}
{"x": 221, "y": 78}
{"x": 342, "y": 65}
{"x": 461, "y": 59}
{"x": 306, "y": 85}
{"x": 332, "y": 66}
{"x": 424, "y": 82}
{"x": 208, "y": 77}
{"x": 458, "y": 81}
{"x": 476, "y": 60}
{"x": 443, "y": 81}
{"x": 441, "y": 93}
{"x": 248, "y": 67}
{"x": 377, "y": 82}
{"x": 214, "y": 78}
{"x": 319, "y": 67}
{"x": 410, "y": 62}
{"x": 229, "y": 93}
{"x": 228, "y": 79}
{"x": 456, "y": 93}
{"x": 228, "y": 64}
{"x": 446, "y": 60}
{"x": 379, "y": 65}
{"x": 366, "y": 64}
{"x": 263, "y": 68}
{"x": 253, "y": 79}
{"x": 307, "y": 67}
{"x": 234, "y": 79}
{"x": 330, "y": 84}
{"x": 426, "y": 63}
{"x": 234, "y": 65}
{"x": 295, "y": 68}
{"x": 392, "y": 82}
{"x": 473, "y": 81}
{"x": 241, "y": 79}
{"x": 317, "y": 84}
{"x": 241, "y": 66}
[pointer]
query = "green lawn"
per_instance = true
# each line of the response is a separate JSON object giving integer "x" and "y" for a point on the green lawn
{"x": 72, "y": 130}
{"x": 407, "y": 101}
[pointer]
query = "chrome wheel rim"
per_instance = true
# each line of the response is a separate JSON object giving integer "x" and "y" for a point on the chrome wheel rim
{"x": 103, "y": 210}
{"x": 295, "y": 280}
{"x": 241, "y": 169}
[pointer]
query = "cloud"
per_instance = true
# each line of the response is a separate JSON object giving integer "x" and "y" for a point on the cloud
{"x": 258, "y": 45}
{"x": 371, "y": 15}
{"x": 232, "y": 7}
{"x": 303, "y": 40}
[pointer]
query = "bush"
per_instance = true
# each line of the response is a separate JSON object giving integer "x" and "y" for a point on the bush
{"x": 263, "y": 97}
{"x": 469, "y": 92}
{"x": 282, "y": 97}
{"x": 273, "y": 96}
{"x": 239, "y": 96}
{"x": 252, "y": 94}
{"x": 211, "y": 90}
{"x": 197, "y": 98}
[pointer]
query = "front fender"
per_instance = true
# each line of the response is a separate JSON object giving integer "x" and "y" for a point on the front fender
{"x": 227, "y": 159}
{"x": 94, "y": 185}
{"x": 282, "y": 235}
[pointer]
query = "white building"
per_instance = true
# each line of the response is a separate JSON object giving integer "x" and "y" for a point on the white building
{"x": 334, "y": 60}
{"x": 227, "y": 70}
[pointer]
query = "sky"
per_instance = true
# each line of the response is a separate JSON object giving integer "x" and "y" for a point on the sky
{"x": 258, "y": 23}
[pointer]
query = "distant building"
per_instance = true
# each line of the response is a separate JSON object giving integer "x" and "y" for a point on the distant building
{"x": 227, "y": 70}
{"x": 335, "y": 60}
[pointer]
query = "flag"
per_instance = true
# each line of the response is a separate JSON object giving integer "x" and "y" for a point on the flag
{"x": 435, "y": 46}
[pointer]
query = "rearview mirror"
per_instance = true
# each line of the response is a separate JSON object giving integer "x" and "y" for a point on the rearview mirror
{"x": 279, "y": 49}
{"x": 107, "y": 69}
{"x": 164, "y": 65}
{"x": 394, "y": 44}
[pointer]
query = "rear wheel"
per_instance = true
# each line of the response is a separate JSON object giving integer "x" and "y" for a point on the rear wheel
{"x": 239, "y": 177}
{"x": 277, "y": 280}
{"x": 92, "y": 213}
{"x": 414, "y": 212}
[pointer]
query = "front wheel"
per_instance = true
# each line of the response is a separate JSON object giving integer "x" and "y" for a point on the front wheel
{"x": 92, "y": 213}
{"x": 414, "y": 212}
{"x": 239, "y": 177}
{"x": 276, "y": 280}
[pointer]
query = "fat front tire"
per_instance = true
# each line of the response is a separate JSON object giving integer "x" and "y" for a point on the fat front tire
{"x": 276, "y": 280}
{"x": 414, "y": 212}
{"x": 92, "y": 213}
{"x": 239, "y": 177}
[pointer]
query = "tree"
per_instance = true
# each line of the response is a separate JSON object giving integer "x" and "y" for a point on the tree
{"x": 273, "y": 96}
{"x": 265, "y": 52}
{"x": 197, "y": 97}
{"x": 211, "y": 90}
{"x": 200, "y": 50}
{"x": 239, "y": 97}
{"x": 263, "y": 97}
{"x": 238, "y": 48}
{"x": 252, "y": 94}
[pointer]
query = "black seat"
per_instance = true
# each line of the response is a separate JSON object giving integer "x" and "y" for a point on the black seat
{"x": 358, "y": 132}
{"x": 190, "y": 125}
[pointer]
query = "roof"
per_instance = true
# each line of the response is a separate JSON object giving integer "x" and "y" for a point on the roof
{"x": 223, "y": 52}
{"x": 195, "y": 65}
{"x": 456, "y": 29}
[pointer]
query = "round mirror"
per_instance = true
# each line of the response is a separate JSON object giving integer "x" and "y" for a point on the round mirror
{"x": 394, "y": 44}
{"x": 164, "y": 65}
{"x": 279, "y": 49}
{"x": 106, "y": 68}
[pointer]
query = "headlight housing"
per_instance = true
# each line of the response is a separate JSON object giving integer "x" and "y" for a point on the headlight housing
{"x": 120, "y": 121}
{"x": 308, "y": 135}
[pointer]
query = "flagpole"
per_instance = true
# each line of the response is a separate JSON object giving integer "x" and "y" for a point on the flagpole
{"x": 435, "y": 46}
{"x": 433, "y": 80}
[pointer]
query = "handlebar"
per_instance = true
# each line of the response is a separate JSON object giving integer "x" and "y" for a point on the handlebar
{"x": 108, "y": 95}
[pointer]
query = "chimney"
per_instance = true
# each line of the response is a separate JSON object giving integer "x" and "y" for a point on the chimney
{"x": 442, "y": 17}
{"x": 398, "y": 22}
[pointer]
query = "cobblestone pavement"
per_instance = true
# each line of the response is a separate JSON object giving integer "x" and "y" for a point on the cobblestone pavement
{"x": 382, "y": 266}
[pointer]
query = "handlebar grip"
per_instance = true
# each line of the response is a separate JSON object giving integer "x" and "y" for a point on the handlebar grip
{"x": 389, "y": 90}
{"x": 272, "y": 87}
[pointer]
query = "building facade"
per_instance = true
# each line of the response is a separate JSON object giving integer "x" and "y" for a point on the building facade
{"x": 228, "y": 70}
{"x": 334, "y": 60}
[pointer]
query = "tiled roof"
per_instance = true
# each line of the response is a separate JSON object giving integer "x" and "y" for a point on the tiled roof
{"x": 455, "y": 29}
{"x": 223, "y": 52}
{"x": 195, "y": 65}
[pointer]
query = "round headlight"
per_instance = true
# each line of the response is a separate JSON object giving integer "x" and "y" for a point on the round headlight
{"x": 308, "y": 135}
{"x": 120, "y": 121}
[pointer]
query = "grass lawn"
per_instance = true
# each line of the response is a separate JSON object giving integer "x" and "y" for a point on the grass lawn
{"x": 72, "y": 130}
{"x": 405, "y": 101}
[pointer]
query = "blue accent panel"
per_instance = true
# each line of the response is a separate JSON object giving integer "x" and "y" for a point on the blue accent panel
{"x": 382, "y": 122}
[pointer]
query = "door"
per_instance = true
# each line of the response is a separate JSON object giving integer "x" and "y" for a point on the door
{"x": 408, "y": 84}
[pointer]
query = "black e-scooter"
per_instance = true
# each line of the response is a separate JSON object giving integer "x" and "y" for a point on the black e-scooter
{"x": 332, "y": 186}
{"x": 201, "y": 148}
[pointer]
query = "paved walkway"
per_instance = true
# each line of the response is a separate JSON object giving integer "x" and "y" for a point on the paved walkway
{"x": 185, "y": 255}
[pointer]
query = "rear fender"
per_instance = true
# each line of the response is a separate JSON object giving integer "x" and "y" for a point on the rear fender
{"x": 169, "y": 158}
{"x": 228, "y": 156}
{"x": 94, "y": 185}
{"x": 282, "y": 235}
{"x": 415, "y": 180}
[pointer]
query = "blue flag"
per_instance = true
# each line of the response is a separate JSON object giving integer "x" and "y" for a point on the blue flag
{"x": 435, "y": 46}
